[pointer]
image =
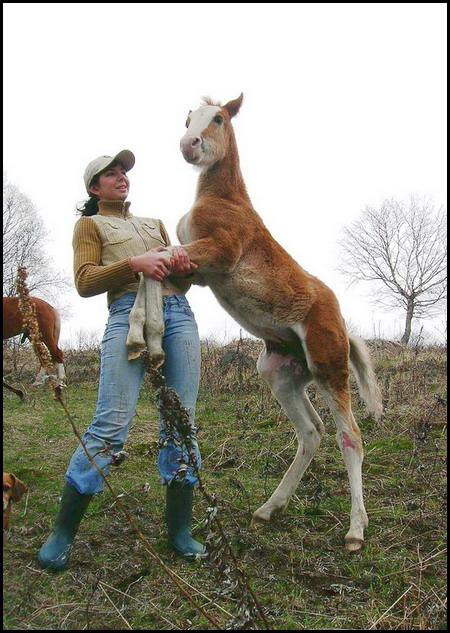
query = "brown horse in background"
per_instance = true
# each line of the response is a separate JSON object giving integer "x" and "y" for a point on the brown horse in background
{"x": 49, "y": 326}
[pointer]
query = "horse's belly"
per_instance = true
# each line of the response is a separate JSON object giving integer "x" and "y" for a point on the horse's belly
{"x": 248, "y": 310}
{"x": 12, "y": 328}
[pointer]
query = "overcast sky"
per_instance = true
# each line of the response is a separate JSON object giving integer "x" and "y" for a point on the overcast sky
{"x": 344, "y": 105}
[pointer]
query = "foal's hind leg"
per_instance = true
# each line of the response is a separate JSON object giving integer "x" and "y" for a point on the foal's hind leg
{"x": 287, "y": 379}
{"x": 348, "y": 437}
{"x": 327, "y": 350}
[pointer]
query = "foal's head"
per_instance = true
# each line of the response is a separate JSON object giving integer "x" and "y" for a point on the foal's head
{"x": 208, "y": 132}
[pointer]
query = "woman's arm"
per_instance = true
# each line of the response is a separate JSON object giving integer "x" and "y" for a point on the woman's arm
{"x": 91, "y": 278}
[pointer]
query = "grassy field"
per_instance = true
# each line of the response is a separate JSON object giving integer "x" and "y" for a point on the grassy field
{"x": 297, "y": 566}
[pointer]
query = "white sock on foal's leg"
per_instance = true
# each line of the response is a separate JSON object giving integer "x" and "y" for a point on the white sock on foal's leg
{"x": 348, "y": 438}
{"x": 287, "y": 379}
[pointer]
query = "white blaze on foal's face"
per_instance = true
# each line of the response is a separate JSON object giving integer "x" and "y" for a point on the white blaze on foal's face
{"x": 204, "y": 141}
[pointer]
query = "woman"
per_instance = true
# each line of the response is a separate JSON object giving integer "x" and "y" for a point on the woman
{"x": 111, "y": 246}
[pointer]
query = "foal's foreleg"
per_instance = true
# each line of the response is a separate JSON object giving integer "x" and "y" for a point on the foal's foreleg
{"x": 154, "y": 322}
{"x": 135, "y": 339}
{"x": 147, "y": 322}
{"x": 287, "y": 380}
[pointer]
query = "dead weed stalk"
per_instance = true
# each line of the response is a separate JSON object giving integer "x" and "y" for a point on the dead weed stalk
{"x": 179, "y": 430}
{"x": 29, "y": 317}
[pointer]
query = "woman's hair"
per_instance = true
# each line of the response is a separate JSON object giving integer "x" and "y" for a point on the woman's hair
{"x": 90, "y": 206}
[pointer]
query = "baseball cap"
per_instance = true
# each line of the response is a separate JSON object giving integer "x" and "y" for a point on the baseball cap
{"x": 125, "y": 158}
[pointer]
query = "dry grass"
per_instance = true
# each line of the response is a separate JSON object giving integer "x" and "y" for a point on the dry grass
{"x": 298, "y": 566}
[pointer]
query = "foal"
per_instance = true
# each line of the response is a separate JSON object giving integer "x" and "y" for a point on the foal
{"x": 49, "y": 327}
{"x": 273, "y": 298}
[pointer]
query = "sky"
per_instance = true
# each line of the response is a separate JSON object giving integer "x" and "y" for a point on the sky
{"x": 344, "y": 106}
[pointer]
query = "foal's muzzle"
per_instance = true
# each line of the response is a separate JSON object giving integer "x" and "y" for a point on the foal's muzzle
{"x": 191, "y": 148}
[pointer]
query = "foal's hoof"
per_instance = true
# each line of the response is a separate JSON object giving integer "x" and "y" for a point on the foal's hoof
{"x": 260, "y": 517}
{"x": 156, "y": 354}
{"x": 134, "y": 355}
{"x": 135, "y": 343}
{"x": 135, "y": 350}
{"x": 264, "y": 515}
{"x": 353, "y": 544}
{"x": 157, "y": 359}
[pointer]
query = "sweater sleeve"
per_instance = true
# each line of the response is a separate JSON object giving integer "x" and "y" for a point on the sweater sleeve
{"x": 91, "y": 278}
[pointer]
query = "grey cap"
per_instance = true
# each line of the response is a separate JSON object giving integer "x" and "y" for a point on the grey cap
{"x": 125, "y": 158}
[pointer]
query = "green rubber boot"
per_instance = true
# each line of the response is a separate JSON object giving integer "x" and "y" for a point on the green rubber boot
{"x": 179, "y": 519}
{"x": 55, "y": 552}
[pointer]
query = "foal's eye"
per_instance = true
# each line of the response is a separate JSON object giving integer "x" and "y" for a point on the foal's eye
{"x": 188, "y": 122}
{"x": 218, "y": 119}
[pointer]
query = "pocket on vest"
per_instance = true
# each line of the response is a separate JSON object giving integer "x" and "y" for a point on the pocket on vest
{"x": 115, "y": 234}
{"x": 153, "y": 231}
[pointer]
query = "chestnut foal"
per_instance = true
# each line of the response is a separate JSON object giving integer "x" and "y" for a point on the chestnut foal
{"x": 272, "y": 297}
{"x": 49, "y": 327}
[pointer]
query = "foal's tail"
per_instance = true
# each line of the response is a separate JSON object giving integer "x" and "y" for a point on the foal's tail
{"x": 361, "y": 365}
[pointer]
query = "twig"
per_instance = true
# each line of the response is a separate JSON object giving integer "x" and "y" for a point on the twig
{"x": 88, "y": 603}
{"x": 148, "y": 548}
{"x": 391, "y": 607}
{"x": 179, "y": 430}
{"x": 26, "y": 505}
{"x": 119, "y": 613}
{"x": 413, "y": 566}
{"x": 175, "y": 626}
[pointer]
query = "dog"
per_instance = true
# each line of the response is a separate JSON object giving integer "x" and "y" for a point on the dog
{"x": 13, "y": 490}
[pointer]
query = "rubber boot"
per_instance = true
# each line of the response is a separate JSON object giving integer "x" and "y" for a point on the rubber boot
{"x": 54, "y": 554}
{"x": 179, "y": 519}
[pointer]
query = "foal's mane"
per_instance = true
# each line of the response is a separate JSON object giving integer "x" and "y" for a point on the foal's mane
{"x": 211, "y": 102}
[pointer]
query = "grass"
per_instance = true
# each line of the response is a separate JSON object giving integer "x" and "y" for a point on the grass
{"x": 297, "y": 565}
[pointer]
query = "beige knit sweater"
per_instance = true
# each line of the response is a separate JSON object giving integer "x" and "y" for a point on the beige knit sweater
{"x": 103, "y": 245}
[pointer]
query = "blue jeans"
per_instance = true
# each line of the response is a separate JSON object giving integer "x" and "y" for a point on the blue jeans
{"x": 120, "y": 383}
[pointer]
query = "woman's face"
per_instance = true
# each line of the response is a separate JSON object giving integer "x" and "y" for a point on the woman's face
{"x": 112, "y": 184}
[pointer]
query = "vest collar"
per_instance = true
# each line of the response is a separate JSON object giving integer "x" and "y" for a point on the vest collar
{"x": 114, "y": 207}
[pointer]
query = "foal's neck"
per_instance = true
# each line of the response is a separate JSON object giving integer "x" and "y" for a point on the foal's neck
{"x": 224, "y": 178}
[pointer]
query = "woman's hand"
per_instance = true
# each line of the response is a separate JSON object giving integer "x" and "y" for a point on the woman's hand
{"x": 180, "y": 264}
{"x": 154, "y": 264}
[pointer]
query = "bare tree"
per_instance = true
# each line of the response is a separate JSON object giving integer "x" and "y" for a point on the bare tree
{"x": 403, "y": 248}
{"x": 24, "y": 236}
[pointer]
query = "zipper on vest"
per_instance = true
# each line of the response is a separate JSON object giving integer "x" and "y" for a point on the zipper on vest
{"x": 145, "y": 245}
{"x": 123, "y": 215}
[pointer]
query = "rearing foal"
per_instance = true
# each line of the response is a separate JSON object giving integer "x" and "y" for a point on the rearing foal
{"x": 273, "y": 298}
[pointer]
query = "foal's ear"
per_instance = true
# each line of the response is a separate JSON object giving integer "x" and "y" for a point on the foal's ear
{"x": 232, "y": 107}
